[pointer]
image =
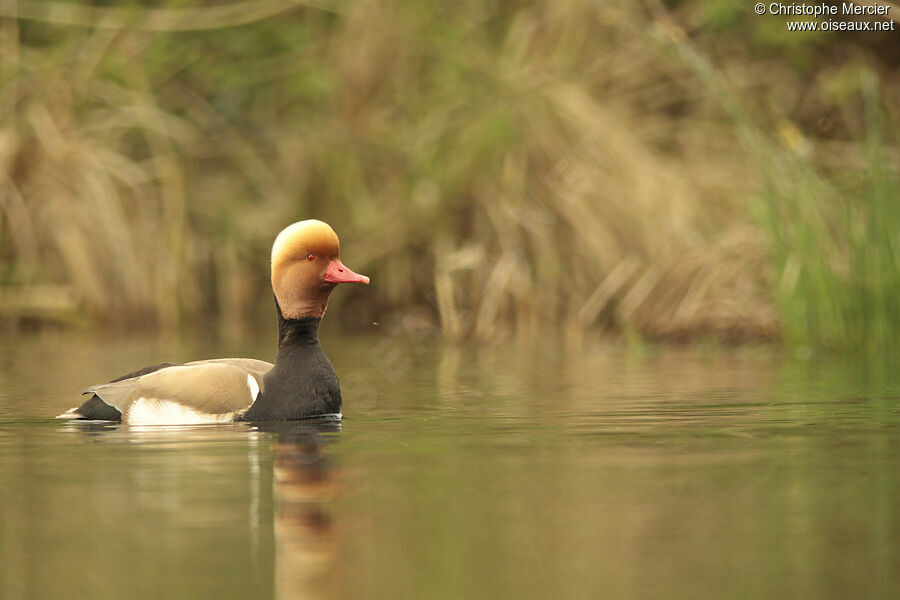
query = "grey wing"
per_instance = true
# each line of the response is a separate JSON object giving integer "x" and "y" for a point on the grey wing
{"x": 217, "y": 389}
{"x": 251, "y": 365}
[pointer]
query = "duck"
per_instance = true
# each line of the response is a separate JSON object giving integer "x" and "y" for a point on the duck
{"x": 301, "y": 384}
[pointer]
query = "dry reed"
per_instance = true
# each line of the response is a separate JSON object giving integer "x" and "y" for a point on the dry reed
{"x": 500, "y": 169}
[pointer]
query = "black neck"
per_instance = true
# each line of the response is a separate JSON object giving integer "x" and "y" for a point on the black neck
{"x": 302, "y": 383}
{"x": 294, "y": 333}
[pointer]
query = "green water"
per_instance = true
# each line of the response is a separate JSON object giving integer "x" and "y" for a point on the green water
{"x": 517, "y": 471}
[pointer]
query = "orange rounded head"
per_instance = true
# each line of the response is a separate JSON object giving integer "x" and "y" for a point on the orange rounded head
{"x": 306, "y": 266}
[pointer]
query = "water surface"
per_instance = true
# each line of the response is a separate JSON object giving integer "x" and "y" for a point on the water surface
{"x": 515, "y": 471}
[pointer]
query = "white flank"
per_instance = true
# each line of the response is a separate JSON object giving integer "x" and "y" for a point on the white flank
{"x": 254, "y": 387}
{"x": 154, "y": 411}
{"x": 70, "y": 414}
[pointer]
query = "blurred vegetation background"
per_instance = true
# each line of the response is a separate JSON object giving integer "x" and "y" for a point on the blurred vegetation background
{"x": 667, "y": 170}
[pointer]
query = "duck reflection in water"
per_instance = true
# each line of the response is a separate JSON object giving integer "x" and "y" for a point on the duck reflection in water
{"x": 305, "y": 483}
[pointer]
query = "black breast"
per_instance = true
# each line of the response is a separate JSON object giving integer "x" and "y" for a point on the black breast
{"x": 302, "y": 383}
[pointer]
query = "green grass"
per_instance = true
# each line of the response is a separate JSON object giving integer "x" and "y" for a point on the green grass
{"x": 836, "y": 244}
{"x": 834, "y": 233}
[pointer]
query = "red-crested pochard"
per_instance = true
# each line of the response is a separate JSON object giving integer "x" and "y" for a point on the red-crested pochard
{"x": 306, "y": 266}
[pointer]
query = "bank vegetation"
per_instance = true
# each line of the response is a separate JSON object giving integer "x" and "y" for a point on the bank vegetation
{"x": 681, "y": 170}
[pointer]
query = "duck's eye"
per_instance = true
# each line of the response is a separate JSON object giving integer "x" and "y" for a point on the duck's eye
{"x": 310, "y": 257}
